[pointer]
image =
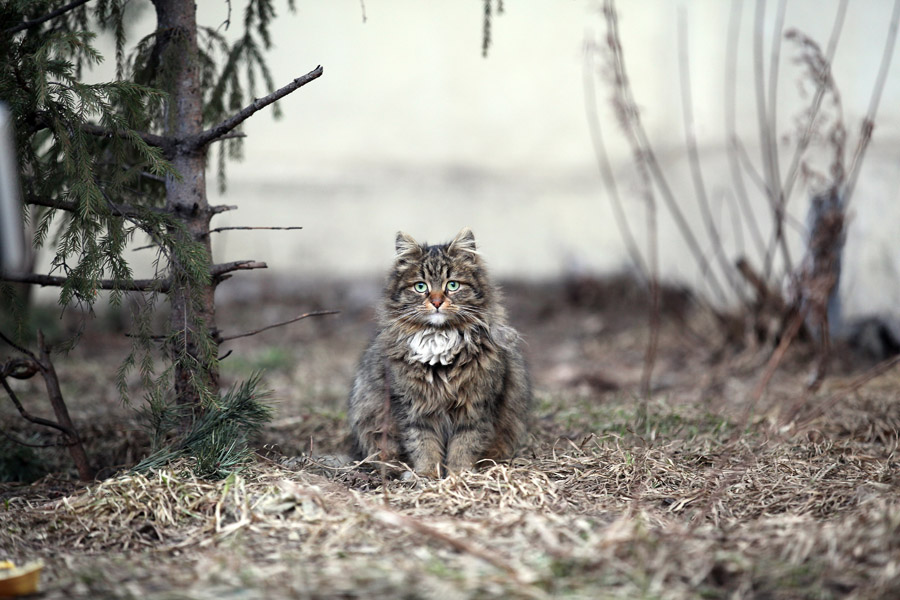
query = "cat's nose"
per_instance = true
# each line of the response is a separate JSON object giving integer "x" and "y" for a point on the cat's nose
{"x": 436, "y": 300}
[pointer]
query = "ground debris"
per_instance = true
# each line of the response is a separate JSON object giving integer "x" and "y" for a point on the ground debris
{"x": 794, "y": 496}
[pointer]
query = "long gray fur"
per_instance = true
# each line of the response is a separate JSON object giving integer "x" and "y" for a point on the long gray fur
{"x": 443, "y": 384}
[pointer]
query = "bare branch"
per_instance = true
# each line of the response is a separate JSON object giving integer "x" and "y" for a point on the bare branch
{"x": 220, "y": 208}
{"x": 25, "y": 351}
{"x": 218, "y": 229}
{"x": 54, "y": 394}
{"x": 217, "y": 271}
{"x": 318, "y": 313}
{"x": 764, "y": 294}
{"x": 196, "y": 142}
{"x": 31, "y": 418}
{"x": 51, "y": 15}
{"x": 234, "y": 135}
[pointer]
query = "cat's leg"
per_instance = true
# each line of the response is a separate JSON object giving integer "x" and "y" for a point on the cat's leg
{"x": 467, "y": 443}
{"x": 378, "y": 443}
{"x": 373, "y": 429}
{"x": 423, "y": 443}
{"x": 511, "y": 411}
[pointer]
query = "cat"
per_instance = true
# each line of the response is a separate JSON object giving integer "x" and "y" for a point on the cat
{"x": 443, "y": 384}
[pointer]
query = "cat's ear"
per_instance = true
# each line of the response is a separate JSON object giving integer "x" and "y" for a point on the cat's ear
{"x": 405, "y": 244}
{"x": 464, "y": 241}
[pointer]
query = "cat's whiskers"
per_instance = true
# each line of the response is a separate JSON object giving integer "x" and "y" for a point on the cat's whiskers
{"x": 472, "y": 315}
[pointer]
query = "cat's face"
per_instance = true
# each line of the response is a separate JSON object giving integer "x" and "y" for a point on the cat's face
{"x": 437, "y": 286}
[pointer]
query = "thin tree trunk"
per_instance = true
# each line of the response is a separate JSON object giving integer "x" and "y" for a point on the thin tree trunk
{"x": 193, "y": 311}
{"x": 76, "y": 449}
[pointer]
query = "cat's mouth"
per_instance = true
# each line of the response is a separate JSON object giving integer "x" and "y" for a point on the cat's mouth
{"x": 437, "y": 317}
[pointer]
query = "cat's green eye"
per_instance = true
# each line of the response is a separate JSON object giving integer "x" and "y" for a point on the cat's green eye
{"x": 452, "y": 286}
{"x": 421, "y": 287}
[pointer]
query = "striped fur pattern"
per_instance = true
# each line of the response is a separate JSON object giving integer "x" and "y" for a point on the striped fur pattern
{"x": 443, "y": 384}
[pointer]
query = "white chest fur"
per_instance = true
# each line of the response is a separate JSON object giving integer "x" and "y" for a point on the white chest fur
{"x": 435, "y": 346}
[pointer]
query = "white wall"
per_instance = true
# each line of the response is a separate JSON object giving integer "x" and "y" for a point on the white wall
{"x": 410, "y": 128}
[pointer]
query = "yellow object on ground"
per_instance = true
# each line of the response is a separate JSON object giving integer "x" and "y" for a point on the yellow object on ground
{"x": 19, "y": 581}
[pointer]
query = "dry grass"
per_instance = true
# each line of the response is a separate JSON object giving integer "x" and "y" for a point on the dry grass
{"x": 698, "y": 503}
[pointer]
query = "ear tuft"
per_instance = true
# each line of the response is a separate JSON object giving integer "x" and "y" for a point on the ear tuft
{"x": 405, "y": 243}
{"x": 464, "y": 241}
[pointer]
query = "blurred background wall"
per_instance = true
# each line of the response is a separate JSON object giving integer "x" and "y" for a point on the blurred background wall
{"x": 412, "y": 128}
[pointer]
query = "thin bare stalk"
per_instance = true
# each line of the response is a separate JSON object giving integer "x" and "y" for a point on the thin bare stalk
{"x": 775, "y": 359}
{"x": 687, "y": 107}
{"x": 317, "y": 313}
{"x": 643, "y": 151}
{"x": 767, "y": 140}
{"x": 825, "y": 83}
{"x": 772, "y": 107}
{"x": 823, "y": 407}
{"x": 734, "y": 28}
{"x": 737, "y": 226}
{"x": 868, "y": 123}
{"x": 630, "y": 122}
{"x": 655, "y": 321}
{"x": 605, "y": 168}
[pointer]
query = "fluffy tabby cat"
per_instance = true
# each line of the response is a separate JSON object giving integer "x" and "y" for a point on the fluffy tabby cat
{"x": 443, "y": 384}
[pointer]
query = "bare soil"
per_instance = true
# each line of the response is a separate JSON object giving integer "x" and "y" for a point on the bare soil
{"x": 696, "y": 491}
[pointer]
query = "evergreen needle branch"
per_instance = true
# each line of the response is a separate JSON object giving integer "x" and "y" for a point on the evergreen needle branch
{"x": 123, "y": 210}
{"x": 151, "y": 139}
{"x": 196, "y": 142}
{"x": 318, "y": 313}
{"x": 51, "y": 15}
{"x": 135, "y": 285}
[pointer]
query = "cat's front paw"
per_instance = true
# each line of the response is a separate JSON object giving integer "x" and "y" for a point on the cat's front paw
{"x": 427, "y": 469}
{"x": 458, "y": 466}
